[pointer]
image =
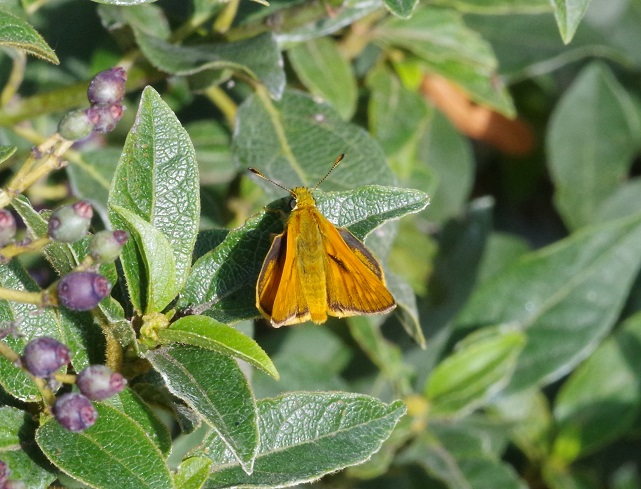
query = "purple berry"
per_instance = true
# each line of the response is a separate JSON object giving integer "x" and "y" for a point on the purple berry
{"x": 98, "y": 382}
{"x": 7, "y": 227}
{"x": 43, "y": 356}
{"x": 4, "y": 473}
{"x": 75, "y": 125}
{"x": 107, "y": 87}
{"x": 105, "y": 117}
{"x": 105, "y": 246}
{"x": 81, "y": 291}
{"x": 70, "y": 223}
{"x": 74, "y": 412}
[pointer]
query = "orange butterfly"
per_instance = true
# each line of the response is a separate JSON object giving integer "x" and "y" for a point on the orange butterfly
{"x": 314, "y": 269}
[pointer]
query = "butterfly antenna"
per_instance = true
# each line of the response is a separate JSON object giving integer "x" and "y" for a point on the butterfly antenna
{"x": 338, "y": 160}
{"x": 256, "y": 172}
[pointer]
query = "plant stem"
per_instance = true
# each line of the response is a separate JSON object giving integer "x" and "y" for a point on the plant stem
{"x": 41, "y": 298}
{"x": 226, "y": 17}
{"x": 224, "y": 102}
{"x": 15, "y": 77}
{"x": 13, "y": 249}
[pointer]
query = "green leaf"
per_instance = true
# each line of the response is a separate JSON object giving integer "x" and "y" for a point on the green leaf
{"x": 288, "y": 149}
{"x": 123, "y": 3}
{"x": 215, "y": 387}
{"x": 592, "y": 138}
{"x": 401, "y": 8}
{"x": 31, "y": 320}
{"x": 258, "y": 57}
{"x": 212, "y": 142}
{"x": 6, "y": 152}
{"x": 461, "y": 472}
{"x": 207, "y": 333}
{"x": 157, "y": 180}
{"x": 500, "y": 251}
{"x": 91, "y": 176}
{"x": 387, "y": 356}
{"x": 568, "y": 14}
{"x": 474, "y": 373}
{"x": 497, "y": 7}
{"x": 133, "y": 406}
{"x": 447, "y": 47}
{"x": 565, "y": 297}
{"x": 119, "y": 450}
{"x": 396, "y": 115}
{"x": 193, "y": 473}
{"x": 449, "y": 157}
{"x": 305, "y": 436}
{"x": 600, "y": 401}
{"x": 326, "y": 73}
{"x": 23, "y": 458}
{"x": 16, "y": 33}
{"x": 157, "y": 256}
{"x": 407, "y": 311}
{"x": 223, "y": 281}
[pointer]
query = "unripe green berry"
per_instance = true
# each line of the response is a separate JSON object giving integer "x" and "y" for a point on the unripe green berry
{"x": 105, "y": 246}
{"x": 70, "y": 223}
{"x": 75, "y": 125}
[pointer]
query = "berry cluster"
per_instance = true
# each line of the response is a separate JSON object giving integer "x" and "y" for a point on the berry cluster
{"x": 44, "y": 356}
{"x": 105, "y": 94}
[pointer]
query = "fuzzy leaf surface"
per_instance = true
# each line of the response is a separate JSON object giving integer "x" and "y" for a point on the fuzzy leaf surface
{"x": 215, "y": 387}
{"x": 304, "y": 436}
{"x": 16, "y": 33}
{"x": 565, "y": 297}
{"x": 157, "y": 180}
{"x": 121, "y": 453}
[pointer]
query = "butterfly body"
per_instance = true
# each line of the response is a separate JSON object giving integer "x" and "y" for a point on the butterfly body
{"x": 314, "y": 269}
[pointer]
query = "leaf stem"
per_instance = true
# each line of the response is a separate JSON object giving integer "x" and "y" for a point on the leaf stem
{"x": 15, "y": 77}
{"x": 42, "y": 298}
{"x": 15, "y": 249}
{"x": 226, "y": 17}
{"x": 224, "y": 102}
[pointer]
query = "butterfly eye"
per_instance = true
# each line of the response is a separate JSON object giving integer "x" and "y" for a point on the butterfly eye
{"x": 292, "y": 203}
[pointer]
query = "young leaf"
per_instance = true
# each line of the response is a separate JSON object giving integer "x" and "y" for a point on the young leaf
{"x": 192, "y": 473}
{"x": 115, "y": 452}
{"x": 565, "y": 297}
{"x": 223, "y": 281}
{"x": 16, "y": 33}
{"x": 443, "y": 42}
{"x": 401, "y": 8}
{"x": 323, "y": 69}
{"x": 157, "y": 180}
{"x": 568, "y": 14}
{"x": 215, "y": 387}
{"x": 396, "y": 114}
{"x": 286, "y": 150}
{"x": 206, "y": 332}
{"x": 304, "y": 436}
{"x": 258, "y": 57}
{"x": 592, "y": 138}
{"x": 600, "y": 400}
{"x": 473, "y": 374}
{"x": 6, "y": 152}
{"x": 159, "y": 266}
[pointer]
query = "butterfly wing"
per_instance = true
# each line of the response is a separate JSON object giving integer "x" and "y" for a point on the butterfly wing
{"x": 279, "y": 293}
{"x": 355, "y": 281}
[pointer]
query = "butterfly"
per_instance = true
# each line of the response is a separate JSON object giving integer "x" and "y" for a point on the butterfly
{"x": 314, "y": 269}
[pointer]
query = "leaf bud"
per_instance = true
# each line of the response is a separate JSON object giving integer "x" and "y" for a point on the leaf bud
{"x": 44, "y": 355}
{"x": 70, "y": 223}
{"x": 81, "y": 291}
{"x": 74, "y": 412}
{"x": 98, "y": 382}
{"x": 105, "y": 246}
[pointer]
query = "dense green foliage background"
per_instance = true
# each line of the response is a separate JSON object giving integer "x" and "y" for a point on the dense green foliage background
{"x": 516, "y": 346}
